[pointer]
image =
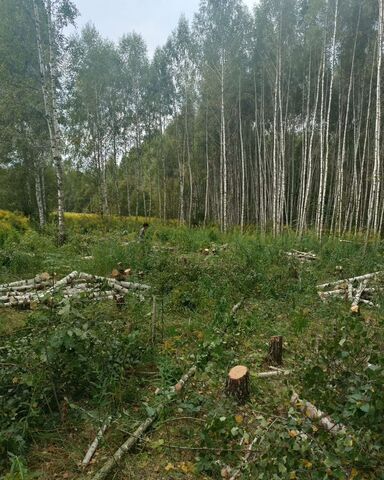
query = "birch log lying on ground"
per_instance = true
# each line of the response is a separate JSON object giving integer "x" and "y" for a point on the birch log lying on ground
{"x": 272, "y": 373}
{"x": 360, "y": 278}
{"x": 95, "y": 443}
{"x": 137, "y": 434}
{"x": 314, "y": 414}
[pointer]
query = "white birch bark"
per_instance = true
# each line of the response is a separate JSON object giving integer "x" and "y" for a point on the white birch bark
{"x": 48, "y": 75}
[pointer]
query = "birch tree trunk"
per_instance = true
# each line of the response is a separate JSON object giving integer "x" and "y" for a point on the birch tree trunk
{"x": 327, "y": 130}
{"x": 373, "y": 207}
{"x": 48, "y": 75}
{"x": 224, "y": 147}
{"x": 207, "y": 170}
{"x": 39, "y": 195}
{"x": 242, "y": 164}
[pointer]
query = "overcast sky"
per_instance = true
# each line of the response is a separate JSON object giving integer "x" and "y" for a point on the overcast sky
{"x": 153, "y": 19}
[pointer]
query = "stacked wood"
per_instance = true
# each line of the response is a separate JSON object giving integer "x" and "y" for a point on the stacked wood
{"x": 237, "y": 384}
{"x": 302, "y": 256}
{"x": 42, "y": 288}
{"x": 355, "y": 290}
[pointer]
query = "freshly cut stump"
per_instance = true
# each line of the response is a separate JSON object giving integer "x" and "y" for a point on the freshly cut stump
{"x": 275, "y": 354}
{"x": 238, "y": 383}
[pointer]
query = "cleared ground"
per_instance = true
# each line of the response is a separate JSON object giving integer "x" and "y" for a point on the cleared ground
{"x": 66, "y": 368}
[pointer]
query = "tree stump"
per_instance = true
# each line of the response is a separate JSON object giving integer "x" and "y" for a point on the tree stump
{"x": 237, "y": 384}
{"x": 275, "y": 354}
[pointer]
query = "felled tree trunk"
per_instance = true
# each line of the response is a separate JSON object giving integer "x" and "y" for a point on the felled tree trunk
{"x": 238, "y": 383}
{"x": 275, "y": 354}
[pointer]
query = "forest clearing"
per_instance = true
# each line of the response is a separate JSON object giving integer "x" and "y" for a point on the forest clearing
{"x": 73, "y": 366}
{"x": 191, "y": 239}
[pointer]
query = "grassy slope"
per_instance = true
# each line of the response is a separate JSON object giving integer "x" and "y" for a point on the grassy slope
{"x": 195, "y": 293}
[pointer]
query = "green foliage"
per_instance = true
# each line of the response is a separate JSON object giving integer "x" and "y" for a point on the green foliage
{"x": 18, "y": 470}
{"x": 103, "y": 359}
{"x": 11, "y": 226}
{"x": 61, "y": 353}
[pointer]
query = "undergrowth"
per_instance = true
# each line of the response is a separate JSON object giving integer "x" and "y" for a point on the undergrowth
{"x": 65, "y": 368}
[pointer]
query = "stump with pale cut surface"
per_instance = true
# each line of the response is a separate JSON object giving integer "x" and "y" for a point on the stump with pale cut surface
{"x": 238, "y": 383}
{"x": 275, "y": 354}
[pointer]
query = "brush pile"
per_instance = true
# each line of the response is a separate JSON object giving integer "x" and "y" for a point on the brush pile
{"x": 44, "y": 287}
{"x": 357, "y": 290}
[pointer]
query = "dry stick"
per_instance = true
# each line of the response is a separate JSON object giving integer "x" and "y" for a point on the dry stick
{"x": 128, "y": 444}
{"x": 95, "y": 443}
{"x": 314, "y": 413}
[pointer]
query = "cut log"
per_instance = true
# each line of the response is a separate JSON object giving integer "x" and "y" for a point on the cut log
{"x": 184, "y": 379}
{"x": 66, "y": 280}
{"x": 350, "y": 291}
{"x": 95, "y": 443}
{"x": 275, "y": 354}
{"x": 350, "y": 280}
{"x": 272, "y": 373}
{"x": 359, "y": 292}
{"x": 237, "y": 384}
{"x": 313, "y": 413}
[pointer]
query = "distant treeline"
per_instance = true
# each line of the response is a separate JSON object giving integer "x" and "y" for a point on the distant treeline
{"x": 270, "y": 117}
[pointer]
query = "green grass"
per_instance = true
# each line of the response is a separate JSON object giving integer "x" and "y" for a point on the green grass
{"x": 102, "y": 358}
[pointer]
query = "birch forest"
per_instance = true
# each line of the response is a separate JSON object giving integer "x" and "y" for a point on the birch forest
{"x": 191, "y": 240}
{"x": 270, "y": 117}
